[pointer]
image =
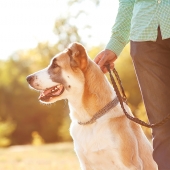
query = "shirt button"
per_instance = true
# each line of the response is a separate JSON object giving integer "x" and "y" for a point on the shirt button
{"x": 159, "y": 1}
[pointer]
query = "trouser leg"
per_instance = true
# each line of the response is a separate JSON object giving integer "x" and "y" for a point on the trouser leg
{"x": 152, "y": 65}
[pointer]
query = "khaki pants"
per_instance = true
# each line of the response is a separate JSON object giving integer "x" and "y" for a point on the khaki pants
{"x": 152, "y": 65}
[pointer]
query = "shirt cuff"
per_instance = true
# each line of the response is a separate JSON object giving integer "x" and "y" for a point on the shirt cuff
{"x": 115, "y": 46}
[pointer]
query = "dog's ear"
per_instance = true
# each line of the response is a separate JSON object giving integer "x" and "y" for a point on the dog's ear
{"x": 78, "y": 56}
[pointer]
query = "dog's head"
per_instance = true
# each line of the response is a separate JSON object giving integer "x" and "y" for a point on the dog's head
{"x": 63, "y": 75}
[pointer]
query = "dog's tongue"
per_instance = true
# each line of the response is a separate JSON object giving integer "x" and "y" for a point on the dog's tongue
{"x": 56, "y": 90}
{"x": 47, "y": 91}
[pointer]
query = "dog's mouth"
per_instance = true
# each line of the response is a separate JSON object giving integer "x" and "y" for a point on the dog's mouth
{"x": 51, "y": 92}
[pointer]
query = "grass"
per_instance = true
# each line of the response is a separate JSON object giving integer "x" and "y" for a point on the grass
{"x": 45, "y": 157}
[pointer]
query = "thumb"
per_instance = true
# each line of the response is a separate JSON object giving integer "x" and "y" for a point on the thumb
{"x": 102, "y": 61}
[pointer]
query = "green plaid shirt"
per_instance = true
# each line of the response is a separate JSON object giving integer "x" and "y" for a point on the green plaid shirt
{"x": 138, "y": 20}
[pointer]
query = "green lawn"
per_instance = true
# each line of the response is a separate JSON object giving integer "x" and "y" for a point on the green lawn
{"x": 45, "y": 157}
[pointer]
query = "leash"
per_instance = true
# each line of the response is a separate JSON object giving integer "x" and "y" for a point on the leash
{"x": 122, "y": 98}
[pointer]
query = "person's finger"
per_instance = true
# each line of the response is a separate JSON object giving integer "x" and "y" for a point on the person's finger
{"x": 102, "y": 61}
{"x": 104, "y": 58}
{"x": 98, "y": 57}
{"x": 111, "y": 66}
{"x": 104, "y": 70}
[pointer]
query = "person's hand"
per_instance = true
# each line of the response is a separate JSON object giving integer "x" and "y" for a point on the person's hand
{"x": 104, "y": 58}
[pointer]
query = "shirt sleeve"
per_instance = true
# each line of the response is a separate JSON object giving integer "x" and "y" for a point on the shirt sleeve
{"x": 121, "y": 29}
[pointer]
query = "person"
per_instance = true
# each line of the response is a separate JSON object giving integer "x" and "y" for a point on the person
{"x": 146, "y": 24}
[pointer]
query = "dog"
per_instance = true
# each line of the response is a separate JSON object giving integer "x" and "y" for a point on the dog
{"x": 104, "y": 139}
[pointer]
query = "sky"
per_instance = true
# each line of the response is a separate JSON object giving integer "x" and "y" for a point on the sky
{"x": 24, "y": 23}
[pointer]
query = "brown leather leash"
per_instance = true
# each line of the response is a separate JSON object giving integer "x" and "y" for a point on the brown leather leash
{"x": 122, "y": 98}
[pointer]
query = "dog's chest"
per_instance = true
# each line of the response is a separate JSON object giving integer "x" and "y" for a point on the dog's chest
{"x": 96, "y": 147}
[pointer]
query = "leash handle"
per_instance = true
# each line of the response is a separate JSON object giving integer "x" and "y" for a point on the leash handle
{"x": 124, "y": 99}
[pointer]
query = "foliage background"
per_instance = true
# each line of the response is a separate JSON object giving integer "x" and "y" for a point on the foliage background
{"x": 22, "y": 118}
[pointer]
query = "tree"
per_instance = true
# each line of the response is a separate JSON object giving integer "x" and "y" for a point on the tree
{"x": 66, "y": 27}
{"x": 20, "y": 105}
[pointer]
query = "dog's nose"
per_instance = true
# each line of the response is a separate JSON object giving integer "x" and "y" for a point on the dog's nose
{"x": 29, "y": 79}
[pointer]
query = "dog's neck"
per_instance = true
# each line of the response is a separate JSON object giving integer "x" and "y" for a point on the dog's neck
{"x": 97, "y": 93}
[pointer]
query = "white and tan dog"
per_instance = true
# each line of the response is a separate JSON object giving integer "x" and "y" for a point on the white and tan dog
{"x": 110, "y": 142}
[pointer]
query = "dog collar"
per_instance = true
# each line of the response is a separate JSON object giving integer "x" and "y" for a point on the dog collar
{"x": 101, "y": 112}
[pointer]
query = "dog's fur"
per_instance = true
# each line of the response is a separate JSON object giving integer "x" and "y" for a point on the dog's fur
{"x": 113, "y": 141}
